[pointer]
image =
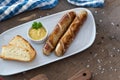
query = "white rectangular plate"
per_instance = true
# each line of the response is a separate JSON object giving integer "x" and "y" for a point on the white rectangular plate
{"x": 83, "y": 40}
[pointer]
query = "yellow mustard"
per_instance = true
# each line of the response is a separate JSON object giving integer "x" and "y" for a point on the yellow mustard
{"x": 37, "y": 34}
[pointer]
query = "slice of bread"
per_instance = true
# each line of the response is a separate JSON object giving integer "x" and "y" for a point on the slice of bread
{"x": 21, "y": 42}
{"x": 11, "y": 52}
{"x": 18, "y": 49}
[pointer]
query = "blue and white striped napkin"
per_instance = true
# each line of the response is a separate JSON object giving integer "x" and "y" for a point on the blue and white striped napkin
{"x": 87, "y": 3}
{"x": 9, "y": 8}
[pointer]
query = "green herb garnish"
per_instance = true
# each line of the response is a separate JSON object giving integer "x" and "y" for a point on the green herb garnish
{"x": 37, "y": 25}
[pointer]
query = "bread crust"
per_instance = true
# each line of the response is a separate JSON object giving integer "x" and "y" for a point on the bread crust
{"x": 58, "y": 31}
{"x": 70, "y": 34}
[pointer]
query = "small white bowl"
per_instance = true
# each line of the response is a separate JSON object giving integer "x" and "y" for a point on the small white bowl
{"x": 38, "y": 41}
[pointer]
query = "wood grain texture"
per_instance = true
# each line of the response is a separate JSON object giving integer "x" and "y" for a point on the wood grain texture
{"x": 102, "y": 58}
{"x": 40, "y": 77}
{"x": 83, "y": 74}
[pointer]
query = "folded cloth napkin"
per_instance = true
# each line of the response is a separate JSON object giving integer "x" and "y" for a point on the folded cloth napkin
{"x": 9, "y": 8}
{"x": 87, "y": 3}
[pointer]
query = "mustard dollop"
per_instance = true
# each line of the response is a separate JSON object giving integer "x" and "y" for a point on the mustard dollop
{"x": 37, "y": 34}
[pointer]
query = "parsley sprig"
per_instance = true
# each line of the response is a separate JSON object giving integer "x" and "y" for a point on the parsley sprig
{"x": 37, "y": 25}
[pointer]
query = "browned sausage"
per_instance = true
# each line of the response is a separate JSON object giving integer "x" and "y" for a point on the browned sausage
{"x": 70, "y": 34}
{"x": 59, "y": 30}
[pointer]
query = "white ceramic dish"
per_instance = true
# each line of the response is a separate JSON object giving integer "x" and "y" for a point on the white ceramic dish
{"x": 38, "y": 41}
{"x": 83, "y": 40}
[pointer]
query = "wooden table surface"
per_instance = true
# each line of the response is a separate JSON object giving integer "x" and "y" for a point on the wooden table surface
{"x": 102, "y": 58}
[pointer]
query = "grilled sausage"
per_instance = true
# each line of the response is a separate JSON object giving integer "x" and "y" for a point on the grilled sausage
{"x": 58, "y": 31}
{"x": 70, "y": 34}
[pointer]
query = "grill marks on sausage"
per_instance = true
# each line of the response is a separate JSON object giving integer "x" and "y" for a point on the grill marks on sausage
{"x": 58, "y": 32}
